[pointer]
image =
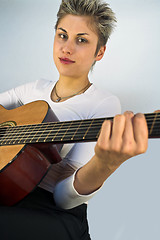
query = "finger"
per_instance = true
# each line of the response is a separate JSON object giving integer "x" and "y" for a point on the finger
{"x": 128, "y": 131}
{"x": 128, "y": 136}
{"x": 117, "y": 132}
{"x": 105, "y": 134}
{"x": 140, "y": 133}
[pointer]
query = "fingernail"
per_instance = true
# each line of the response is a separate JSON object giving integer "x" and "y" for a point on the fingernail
{"x": 129, "y": 112}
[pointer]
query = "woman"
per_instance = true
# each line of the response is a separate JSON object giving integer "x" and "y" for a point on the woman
{"x": 57, "y": 208}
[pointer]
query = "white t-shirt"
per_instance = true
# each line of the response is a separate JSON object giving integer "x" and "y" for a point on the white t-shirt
{"x": 93, "y": 103}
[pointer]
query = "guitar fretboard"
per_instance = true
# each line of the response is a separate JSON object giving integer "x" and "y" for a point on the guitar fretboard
{"x": 66, "y": 132}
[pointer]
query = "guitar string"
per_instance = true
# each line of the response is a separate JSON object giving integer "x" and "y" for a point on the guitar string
{"x": 15, "y": 142}
{"x": 74, "y": 123}
{"x": 63, "y": 135}
{"x": 148, "y": 116}
{"x": 60, "y": 136}
{"x": 49, "y": 128}
{"x": 53, "y": 139}
{"x": 53, "y": 131}
{"x": 60, "y": 131}
{"x": 37, "y": 126}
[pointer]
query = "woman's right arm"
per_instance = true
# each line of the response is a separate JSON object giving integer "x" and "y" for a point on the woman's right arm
{"x": 9, "y": 100}
{"x": 18, "y": 96}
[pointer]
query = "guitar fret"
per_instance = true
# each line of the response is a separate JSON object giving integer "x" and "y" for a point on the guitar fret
{"x": 153, "y": 124}
{"x": 5, "y": 136}
{"x": 68, "y": 131}
{"x": 98, "y": 134}
{"x": 76, "y": 130}
{"x": 80, "y": 134}
{"x": 33, "y": 137}
{"x": 156, "y": 127}
{"x": 29, "y": 134}
{"x": 23, "y": 133}
{"x": 41, "y": 132}
{"x": 94, "y": 131}
{"x": 51, "y": 132}
{"x": 48, "y": 135}
{"x": 88, "y": 129}
{"x": 16, "y": 136}
{"x": 57, "y": 131}
{"x": 10, "y": 138}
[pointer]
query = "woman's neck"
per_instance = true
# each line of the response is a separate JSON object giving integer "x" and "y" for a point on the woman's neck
{"x": 74, "y": 84}
{"x": 69, "y": 87}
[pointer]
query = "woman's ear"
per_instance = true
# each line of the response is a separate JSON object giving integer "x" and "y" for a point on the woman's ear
{"x": 100, "y": 53}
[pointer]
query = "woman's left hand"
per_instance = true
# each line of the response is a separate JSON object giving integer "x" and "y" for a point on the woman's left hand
{"x": 125, "y": 137}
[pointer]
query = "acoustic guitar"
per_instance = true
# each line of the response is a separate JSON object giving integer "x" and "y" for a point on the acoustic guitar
{"x": 30, "y": 140}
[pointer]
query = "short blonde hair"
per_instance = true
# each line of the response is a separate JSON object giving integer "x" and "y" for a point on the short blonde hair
{"x": 102, "y": 16}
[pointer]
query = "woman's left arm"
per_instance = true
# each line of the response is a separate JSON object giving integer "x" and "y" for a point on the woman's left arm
{"x": 125, "y": 137}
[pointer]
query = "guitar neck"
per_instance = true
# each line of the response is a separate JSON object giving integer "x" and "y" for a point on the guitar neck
{"x": 66, "y": 132}
{"x": 153, "y": 123}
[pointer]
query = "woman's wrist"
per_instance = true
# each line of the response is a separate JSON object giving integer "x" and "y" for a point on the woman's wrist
{"x": 91, "y": 176}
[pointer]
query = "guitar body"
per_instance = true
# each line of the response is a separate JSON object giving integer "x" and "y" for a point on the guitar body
{"x": 22, "y": 167}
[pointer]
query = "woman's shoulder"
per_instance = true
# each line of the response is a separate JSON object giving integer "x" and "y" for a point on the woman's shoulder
{"x": 37, "y": 84}
{"x": 43, "y": 83}
{"x": 34, "y": 87}
{"x": 101, "y": 94}
{"x": 104, "y": 102}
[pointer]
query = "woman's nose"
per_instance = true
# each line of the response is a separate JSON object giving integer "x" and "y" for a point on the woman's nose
{"x": 68, "y": 47}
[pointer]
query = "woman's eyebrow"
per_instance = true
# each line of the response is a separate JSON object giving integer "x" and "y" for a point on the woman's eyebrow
{"x": 62, "y": 29}
{"x": 79, "y": 34}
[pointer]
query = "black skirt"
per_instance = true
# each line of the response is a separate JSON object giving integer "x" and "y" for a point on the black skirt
{"x": 37, "y": 217}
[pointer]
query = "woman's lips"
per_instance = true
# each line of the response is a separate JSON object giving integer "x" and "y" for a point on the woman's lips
{"x": 66, "y": 61}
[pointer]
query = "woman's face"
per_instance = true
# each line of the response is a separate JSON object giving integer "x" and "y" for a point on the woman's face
{"x": 75, "y": 46}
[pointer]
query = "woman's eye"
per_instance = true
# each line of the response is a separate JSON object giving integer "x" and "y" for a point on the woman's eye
{"x": 62, "y": 36}
{"x": 82, "y": 40}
